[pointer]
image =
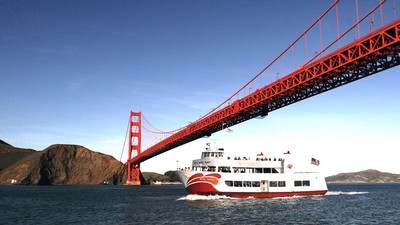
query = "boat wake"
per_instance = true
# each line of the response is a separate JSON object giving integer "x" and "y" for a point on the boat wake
{"x": 293, "y": 197}
{"x": 218, "y": 197}
{"x": 203, "y": 197}
{"x": 346, "y": 193}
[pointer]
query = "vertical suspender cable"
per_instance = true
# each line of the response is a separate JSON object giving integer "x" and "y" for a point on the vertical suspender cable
{"x": 337, "y": 25}
{"x": 305, "y": 46}
{"x": 320, "y": 36}
{"x": 371, "y": 25}
{"x": 381, "y": 13}
{"x": 292, "y": 58}
{"x": 358, "y": 23}
{"x": 123, "y": 147}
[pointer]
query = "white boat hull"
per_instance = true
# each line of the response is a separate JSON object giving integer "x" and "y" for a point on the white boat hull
{"x": 204, "y": 183}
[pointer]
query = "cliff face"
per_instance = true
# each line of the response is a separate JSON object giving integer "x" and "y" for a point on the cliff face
{"x": 64, "y": 164}
{"x": 71, "y": 164}
{"x": 364, "y": 176}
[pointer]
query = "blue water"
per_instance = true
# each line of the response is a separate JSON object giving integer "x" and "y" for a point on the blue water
{"x": 170, "y": 204}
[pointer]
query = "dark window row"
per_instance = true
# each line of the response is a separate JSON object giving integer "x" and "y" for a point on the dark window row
{"x": 227, "y": 169}
{"x": 236, "y": 183}
{"x": 277, "y": 183}
{"x": 212, "y": 154}
{"x": 265, "y": 170}
{"x": 299, "y": 183}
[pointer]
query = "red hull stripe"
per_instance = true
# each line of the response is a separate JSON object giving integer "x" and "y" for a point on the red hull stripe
{"x": 208, "y": 189}
{"x": 201, "y": 189}
{"x": 271, "y": 194}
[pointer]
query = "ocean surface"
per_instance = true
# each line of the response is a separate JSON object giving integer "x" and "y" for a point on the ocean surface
{"x": 170, "y": 204}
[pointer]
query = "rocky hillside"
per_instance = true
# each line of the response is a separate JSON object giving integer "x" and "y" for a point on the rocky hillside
{"x": 364, "y": 176}
{"x": 58, "y": 164}
{"x": 9, "y": 154}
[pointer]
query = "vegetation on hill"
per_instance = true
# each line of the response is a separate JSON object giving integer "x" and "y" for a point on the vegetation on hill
{"x": 4, "y": 143}
{"x": 169, "y": 176}
{"x": 364, "y": 176}
{"x": 173, "y": 176}
{"x": 9, "y": 154}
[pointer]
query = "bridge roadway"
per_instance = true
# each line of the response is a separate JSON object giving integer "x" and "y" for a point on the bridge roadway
{"x": 378, "y": 51}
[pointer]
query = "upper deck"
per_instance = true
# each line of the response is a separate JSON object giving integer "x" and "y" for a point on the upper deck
{"x": 214, "y": 159}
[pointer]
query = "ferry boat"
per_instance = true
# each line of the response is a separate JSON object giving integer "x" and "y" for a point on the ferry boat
{"x": 261, "y": 176}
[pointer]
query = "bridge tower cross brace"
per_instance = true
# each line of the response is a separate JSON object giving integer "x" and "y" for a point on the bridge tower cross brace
{"x": 135, "y": 131}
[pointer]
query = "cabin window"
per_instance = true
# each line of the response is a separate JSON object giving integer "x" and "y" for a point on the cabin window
{"x": 267, "y": 170}
{"x": 239, "y": 170}
{"x": 237, "y": 183}
{"x": 255, "y": 183}
{"x": 299, "y": 183}
{"x": 274, "y": 170}
{"x": 281, "y": 184}
{"x": 211, "y": 169}
{"x": 246, "y": 183}
{"x": 224, "y": 169}
{"x": 273, "y": 184}
{"x": 229, "y": 183}
{"x": 220, "y": 154}
{"x": 212, "y": 154}
{"x": 258, "y": 170}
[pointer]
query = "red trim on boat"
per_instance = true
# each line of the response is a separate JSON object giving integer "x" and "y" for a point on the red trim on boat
{"x": 208, "y": 189}
{"x": 271, "y": 194}
{"x": 201, "y": 189}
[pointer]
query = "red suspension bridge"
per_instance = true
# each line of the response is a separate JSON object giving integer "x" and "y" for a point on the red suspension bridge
{"x": 376, "y": 51}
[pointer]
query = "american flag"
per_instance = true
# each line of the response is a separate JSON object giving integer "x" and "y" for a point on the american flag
{"x": 315, "y": 161}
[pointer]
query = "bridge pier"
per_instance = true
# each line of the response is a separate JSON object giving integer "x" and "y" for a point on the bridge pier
{"x": 133, "y": 174}
{"x": 135, "y": 128}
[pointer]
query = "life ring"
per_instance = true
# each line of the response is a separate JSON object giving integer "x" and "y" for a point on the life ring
{"x": 290, "y": 166}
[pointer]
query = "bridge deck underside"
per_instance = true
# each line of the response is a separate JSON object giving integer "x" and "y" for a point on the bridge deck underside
{"x": 374, "y": 53}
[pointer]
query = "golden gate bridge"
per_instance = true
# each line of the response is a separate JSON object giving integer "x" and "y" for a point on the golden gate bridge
{"x": 331, "y": 65}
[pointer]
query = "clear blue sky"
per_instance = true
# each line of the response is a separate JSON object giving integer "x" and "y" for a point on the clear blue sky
{"x": 71, "y": 71}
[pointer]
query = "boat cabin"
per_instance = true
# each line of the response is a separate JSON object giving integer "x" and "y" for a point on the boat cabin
{"x": 213, "y": 152}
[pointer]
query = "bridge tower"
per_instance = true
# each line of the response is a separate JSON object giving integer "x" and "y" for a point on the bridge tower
{"x": 135, "y": 131}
